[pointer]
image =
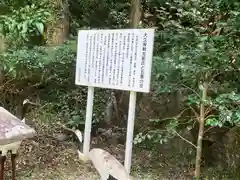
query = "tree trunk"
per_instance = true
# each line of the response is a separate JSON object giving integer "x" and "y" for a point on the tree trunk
{"x": 1, "y": 75}
{"x": 58, "y": 30}
{"x": 201, "y": 131}
{"x": 2, "y": 49}
{"x": 135, "y": 14}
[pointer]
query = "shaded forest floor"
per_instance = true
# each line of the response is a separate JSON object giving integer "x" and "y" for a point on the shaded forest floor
{"x": 45, "y": 157}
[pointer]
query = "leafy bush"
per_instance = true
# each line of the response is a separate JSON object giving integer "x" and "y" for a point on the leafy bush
{"x": 197, "y": 42}
{"x": 25, "y": 24}
{"x": 49, "y": 72}
{"x": 95, "y": 14}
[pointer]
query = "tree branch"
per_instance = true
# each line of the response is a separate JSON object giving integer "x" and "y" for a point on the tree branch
{"x": 186, "y": 140}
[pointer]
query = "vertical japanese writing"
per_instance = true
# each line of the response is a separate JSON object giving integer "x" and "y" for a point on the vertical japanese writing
{"x": 108, "y": 54}
{"x": 104, "y": 58}
{"x": 135, "y": 61}
{"x": 86, "y": 58}
{"x": 89, "y": 58}
{"x": 128, "y": 51}
{"x": 96, "y": 59}
{"x": 111, "y": 60}
{"x": 131, "y": 59}
{"x": 128, "y": 45}
{"x": 115, "y": 59}
{"x": 122, "y": 59}
{"x": 143, "y": 59}
{"x": 93, "y": 56}
{"x": 100, "y": 60}
{"x": 118, "y": 59}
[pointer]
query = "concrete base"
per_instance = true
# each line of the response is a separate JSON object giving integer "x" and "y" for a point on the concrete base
{"x": 83, "y": 158}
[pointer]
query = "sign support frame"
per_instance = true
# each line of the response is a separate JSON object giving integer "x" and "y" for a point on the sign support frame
{"x": 142, "y": 71}
{"x": 88, "y": 121}
{"x": 130, "y": 130}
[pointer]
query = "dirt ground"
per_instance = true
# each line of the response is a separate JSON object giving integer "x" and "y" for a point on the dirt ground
{"x": 45, "y": 157}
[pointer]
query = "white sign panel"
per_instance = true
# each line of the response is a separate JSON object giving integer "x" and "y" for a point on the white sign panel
{"x": 115, "y": 59}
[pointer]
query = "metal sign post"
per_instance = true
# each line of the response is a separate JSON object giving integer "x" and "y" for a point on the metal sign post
{"x": 114, "y": 59}
{"x": 88, "y": 121}
{"x": 130, "y": 130}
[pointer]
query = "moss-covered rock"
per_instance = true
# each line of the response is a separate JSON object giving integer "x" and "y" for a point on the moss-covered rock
{"x": 227, "y": 152}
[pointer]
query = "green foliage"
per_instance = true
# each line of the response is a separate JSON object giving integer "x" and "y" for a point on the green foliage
{"x": 227, "y": 106}
{"x": 157, "y": 136}
{"x": 24, "y": 64}
{"x": 50, "y": 72}
{"x": 196, "y": 42}
{"x": 98, "y": 14}
{"x": 24, "y": 24}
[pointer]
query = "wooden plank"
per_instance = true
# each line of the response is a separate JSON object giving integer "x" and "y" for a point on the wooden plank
{"x": 13, "y": 129}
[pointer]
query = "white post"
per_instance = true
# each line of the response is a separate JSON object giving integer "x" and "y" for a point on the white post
{"x": 130, "y": 129}
{"x": 88, "y": 121}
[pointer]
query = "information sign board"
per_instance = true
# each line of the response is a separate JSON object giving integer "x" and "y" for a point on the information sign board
{"x": 115, "y": 59}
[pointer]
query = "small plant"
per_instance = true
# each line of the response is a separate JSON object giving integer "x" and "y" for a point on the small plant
{"x": 23, "y": 24}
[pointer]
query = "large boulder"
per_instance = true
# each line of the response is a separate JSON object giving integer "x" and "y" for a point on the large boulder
{"x": 227, "y": 152}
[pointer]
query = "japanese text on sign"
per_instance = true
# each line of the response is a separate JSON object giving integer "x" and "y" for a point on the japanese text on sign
{"x": 115, "y": 59}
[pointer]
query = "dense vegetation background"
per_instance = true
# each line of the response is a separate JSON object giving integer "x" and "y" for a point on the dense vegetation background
{"x": 196, "y": 61}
